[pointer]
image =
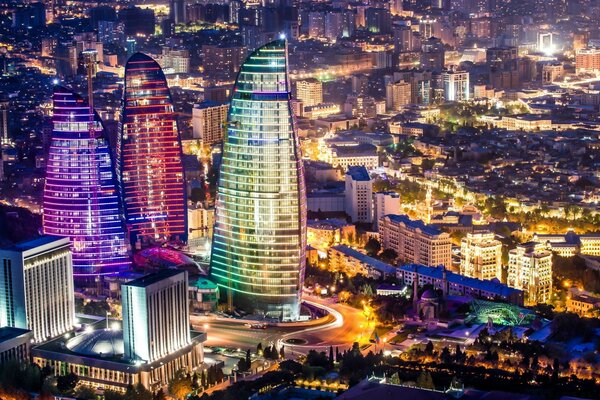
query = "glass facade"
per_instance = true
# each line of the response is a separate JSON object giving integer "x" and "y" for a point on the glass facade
{"x": 149, "y": 164}
{"x": 81, "y": 200}
{"x": 258, "y": 255}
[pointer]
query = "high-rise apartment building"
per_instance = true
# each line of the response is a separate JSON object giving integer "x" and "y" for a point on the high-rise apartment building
{"x": 433, "y": 54}
{"x": 176, "y": 60}
{"x": 36, "y": 287}
{"x": 4, "y": 108}
{"x": 258, "y": 254}
{"x": 208, "y": 121}
{"x": 397, "y": 95}
{"x": 359, "y": 195}
{"x": 384, "y": 203}
{"x": 456, "y": 85}
{"x": 149, "y": 164}
{"x": 156, "y": 319}
{"x": 309, "y": 91}
{"x": 81, "y": 200}
{"x": 222, "y": 60}
{"x": 414, "y": 241}
{"x": 530, "y": 270}
{"x": 587, "y": 60}
{"x": 481, "y": 256}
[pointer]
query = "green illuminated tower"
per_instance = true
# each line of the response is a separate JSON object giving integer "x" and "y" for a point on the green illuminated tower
{"x": 258, "y": 254}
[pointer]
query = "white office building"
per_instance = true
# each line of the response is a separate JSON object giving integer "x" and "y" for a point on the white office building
{"x": 385, "y": 203}
{"x": 456, "y": 85}
{"x": 36, "y": 287}
{"x": 155, "y": 315}
{"x": 359, "y": 195}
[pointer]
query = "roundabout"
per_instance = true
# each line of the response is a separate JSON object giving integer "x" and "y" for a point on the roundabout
{"x": 345, "y": 326}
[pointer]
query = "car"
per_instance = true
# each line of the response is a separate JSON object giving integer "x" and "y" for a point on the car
{"x": 258, "y": 326}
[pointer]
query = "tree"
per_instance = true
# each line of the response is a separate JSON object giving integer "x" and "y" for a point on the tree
{"x": 203, "y": 379}
{"x": 259, "y": 348}
{"x": 372, "y": 247}
{"x": 331, "y": 355}
{"x": 248, "y": 359}
{"x": 66, "y": 383}
{"x": 425, "y": 380}
{"x": 429, "y": 348}
{"x": 85, "y": 393}
{"x": 160, "y": 395}
{"x": 137, "y": 392}
{"x": 181, "y": 385}
{"x": 282, "y": 352}
{"x": 446, "y": 357}
{"x": 395, "y": 379}
{"x": 242, "y": 365}
{"x": 113, "y": 395}
{"x": 388, "y": 255}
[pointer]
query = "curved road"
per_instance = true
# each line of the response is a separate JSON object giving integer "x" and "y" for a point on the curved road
{"x": 350, "y": 325}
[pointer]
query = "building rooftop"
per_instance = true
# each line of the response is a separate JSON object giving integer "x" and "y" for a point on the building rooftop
{"x": 150, "y": 279}
{"x": 8, "y": 332}
{"x": 36, "y": 242}
{"x": 373, "y": 262}
{"x": 359, "y": 150}
{"x": 358, "y": 173}
{"x": 415, "y": 224}
{"x": 453, "y": 278}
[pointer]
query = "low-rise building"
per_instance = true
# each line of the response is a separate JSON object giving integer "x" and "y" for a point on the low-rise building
{"x": 344, "y": 156}
{"x": 321, "y": 234}
{"x": 352, "y": 262}
{"x": 456, "y": 284}
{"x": 582, "y": 303}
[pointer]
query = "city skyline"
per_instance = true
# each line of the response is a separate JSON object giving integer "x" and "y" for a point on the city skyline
{"x": 333, "y": 199}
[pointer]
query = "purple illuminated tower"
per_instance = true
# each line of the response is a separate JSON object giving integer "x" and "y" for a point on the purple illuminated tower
{"x": 80, "y": 197}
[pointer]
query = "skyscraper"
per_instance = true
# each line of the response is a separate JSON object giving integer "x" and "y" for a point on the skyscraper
{"x": 81, "y": 200}
{"x": 258, "y": 254}
{"x": 156, "y": 319}
{"x": 36, "y": 287}
{"x": 149, "y": 164}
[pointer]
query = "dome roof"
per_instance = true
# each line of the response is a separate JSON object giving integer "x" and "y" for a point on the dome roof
{"x": 429, "y": 295}
{"x": 99, "y": 343}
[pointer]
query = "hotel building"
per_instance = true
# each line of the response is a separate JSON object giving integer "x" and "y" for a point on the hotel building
{"x": 81, "y": 200}
{"x": 309, "y": 91}
{"x": 150, "y": 169}
{"x": 36, "y": 287}
{"x": 530, "y": 270}
{"x": 481, "y": 256}
{"x": 414, "y": 241}
{"x": 258, "y": 254}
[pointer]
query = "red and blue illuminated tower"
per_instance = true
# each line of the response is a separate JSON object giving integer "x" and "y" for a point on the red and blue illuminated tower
{"x": 81, "y": 200}
{"x": 149, "y": 165}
